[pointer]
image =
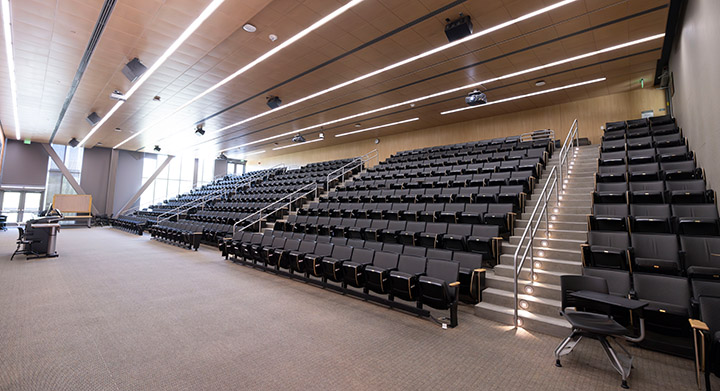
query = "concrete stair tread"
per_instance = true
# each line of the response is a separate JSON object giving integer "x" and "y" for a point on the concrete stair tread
{"x": 547, "y": 260}
{"x": 558, "y": 322}
{"x": 538, "y": 271}
{"x": 521, "y": 282}
{"x": 522, "y": 296}
{"x": 539, "y": 248}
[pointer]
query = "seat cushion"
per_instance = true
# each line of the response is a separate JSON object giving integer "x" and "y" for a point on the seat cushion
{"x": 594, "y": 323}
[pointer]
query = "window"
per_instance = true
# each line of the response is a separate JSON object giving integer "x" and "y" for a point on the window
{"x": 175, "y": 179}
{"x": 56, "y": 182}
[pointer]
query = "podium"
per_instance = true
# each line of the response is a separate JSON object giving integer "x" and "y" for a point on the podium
{"x": 41, "y": 237}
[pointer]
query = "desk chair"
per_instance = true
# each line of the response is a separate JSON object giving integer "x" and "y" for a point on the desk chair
{"x": 590, "y": 318}
{"x": 24, "y": 245}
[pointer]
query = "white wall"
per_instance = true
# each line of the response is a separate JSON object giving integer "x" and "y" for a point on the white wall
{"x": 694, "y": 61}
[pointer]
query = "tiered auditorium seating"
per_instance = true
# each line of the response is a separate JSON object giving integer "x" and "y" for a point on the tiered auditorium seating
{"x": 134, "y": 224}
{"x": 460, "y": 197}
{"x": 432, "y": 277}
{"x": 654, "y": 228}
{"x": 215, "y": 221}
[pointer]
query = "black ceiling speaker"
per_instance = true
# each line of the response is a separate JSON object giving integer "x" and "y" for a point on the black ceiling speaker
{"x": 93, "y": 118}
{"x": 273, "y": 102}
{"x": 157, "y": 148}
{"x": 134, "y": 69}
{"x": 459, "y": 28}
{"x": 73, "y": 142}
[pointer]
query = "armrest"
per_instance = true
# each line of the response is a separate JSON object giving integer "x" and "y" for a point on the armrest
{"x": 457, "y": 283}
{"x": 614, "y": 301}
{"x": 698, "y": 325}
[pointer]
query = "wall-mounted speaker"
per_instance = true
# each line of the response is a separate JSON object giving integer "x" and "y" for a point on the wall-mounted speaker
{"x": 134, "y": 69}
{"x": 93, "y": 118}
{"x": 73, "y": 142}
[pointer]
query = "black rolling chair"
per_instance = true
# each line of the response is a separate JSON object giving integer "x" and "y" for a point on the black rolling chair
{"x": 590, "y": 318}
{"x": 24, "y": 244}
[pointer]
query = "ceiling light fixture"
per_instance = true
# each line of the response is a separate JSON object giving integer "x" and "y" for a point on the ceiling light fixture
{"x": 7, "y": 31}
{"x": 249, "y": 28}
{"x": 540, "y": 83}
{"x": 252, "y": 64}
{"x": 377, "y": 127}
{"x": 298, "y": 144}
{"x": 525, "y": 95}
{"x": 453, "y": 90}
{"x": 142, "y": 79}
{"x": 407, "y": 61}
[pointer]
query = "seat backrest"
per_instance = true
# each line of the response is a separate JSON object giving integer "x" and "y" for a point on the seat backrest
{"x": 476, "y": 208}
{"x": 489, "y": 231}
{"x": 412, "y": 264}
{"x": 323, "y": 249}
{"x": 395, "y": 225}
{"x": 439, "y": 253}
{"x": 646, "y": 167}
{"x": 362, "y": 255}
{"x": 338, "y": 241}
{"x": 468, "y": 260}
{"x": 620, "y": 210}
{"x": 656, "y": 246}
{"x": 454, "y": 207}
{"x": 415, "y": 226}
{"x": 609, "y": 239}
{"x": 709, "y": 313}
{"x": 574, "y": 283}
{"x": 393, "y": 248}
{"x": 705, "y": 288}
{"x": 686, "y": 165}
{"x": 612, "y": 187}
{"x": 306, "y": 247}
{"x": 612, "y": 169}
{"x": 386, "y": 260}
{"x": 357, "y": 243}
{"x": 414, "y": 250}
{"x": 701, "y": 250}
{"x": 292, "y": 244}
{"x": 447, "y": 271}
{"x": 459, "y": 229}
{"x": 342, "y": 252}
{"x": 663, "y": 289}
{"x": 278, "y": 242}
{"x": 643, "y": 210}
{"x": 647, "y": 186}
{"x": 695, "y": 210}
{"x": 436, "y": 228}
{"x": 695, "y": 184}
{"x": 618, "y": 281}
{"x": 379, "y": 224}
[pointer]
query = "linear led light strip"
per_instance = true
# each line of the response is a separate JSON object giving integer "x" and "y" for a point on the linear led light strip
{"x": 526, "y": 95}
{"x": 453, "y": 90}
{"x": 249, "y": 66}
{"x": 11, "y": 63}
{"x": 298, "y": 144}
{"x": 179, "y": 41}
{"x": 377, "y": 127}
{"x": 403, "y": 62}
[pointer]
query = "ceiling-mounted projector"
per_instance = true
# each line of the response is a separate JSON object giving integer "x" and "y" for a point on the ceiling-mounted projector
{"x": 298, "y": 139}
{"x": 476, "y": 98}
{"x": 117, "y": 95}
{"x": 458, "y": 28}
{"x": 221, "y": 156}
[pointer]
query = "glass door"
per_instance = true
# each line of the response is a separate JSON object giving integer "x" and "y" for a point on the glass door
{"x": 11, "y": 205}
{"x": 20, "y": 206}
{"x": 31, "y": 206}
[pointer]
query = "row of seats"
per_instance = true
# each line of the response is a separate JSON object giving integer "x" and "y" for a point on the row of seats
{"x": 132, "y": 224}
{"x": 683, "y": 219}
{"x": 526, "y": 178}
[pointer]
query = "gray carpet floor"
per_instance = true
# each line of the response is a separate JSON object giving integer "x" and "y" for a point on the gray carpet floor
{"x": 118, "y": 311}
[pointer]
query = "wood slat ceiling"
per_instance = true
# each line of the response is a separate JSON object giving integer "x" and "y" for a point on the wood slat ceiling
{"x": 51, "y": 35}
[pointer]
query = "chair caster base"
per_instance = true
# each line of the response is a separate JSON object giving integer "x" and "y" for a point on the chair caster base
{"x": 557, "y": 364}
{"x": 624, "y": 384}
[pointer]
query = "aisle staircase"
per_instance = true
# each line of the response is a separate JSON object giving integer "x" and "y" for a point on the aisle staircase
{"x": 559, "y": 254}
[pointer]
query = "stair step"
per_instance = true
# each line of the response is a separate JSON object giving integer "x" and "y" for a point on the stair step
{"x": 562, "y": 266}
{"x": 548, "y": 291}
{"x": 544, "y": 252}
{"x": 542, "y": 276}
{"x": 533, "y": 322}
{"x": 563, "y": 225}
{"x": 560, "y": 217}
{"x": 536, "y": 305}
{"x": 566, "y": 244}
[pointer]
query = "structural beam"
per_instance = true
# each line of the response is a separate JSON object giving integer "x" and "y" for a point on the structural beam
{"x": 112, "y": 175}
{"x": 66, "y": 173}
{"x": 144, "y": 186}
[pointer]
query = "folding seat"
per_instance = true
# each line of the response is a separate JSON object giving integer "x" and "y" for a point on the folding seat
{"x": 467, "y": 194}
{"x": 517, "y": 154}
{"x": 665, "y": 129}
{"x": 431, "y": 212}
{"x": 303, "y": 222}
{"x": 327, "y": 229}
{"x": 509, "y": 166}
{"x": 490, "y": 166}
{"x": 682, "y": 170}
{"x": 608, "y": 217}
{"x": 674, "y": 154}
{"x": 445, "y": 181}
{"x": 537, "y": 154}
{"x": 281, "y": 255}
{"x": 380, "y": 210}
{"x": 390, "y": 234}
{"x": 456, "y": 169}
{"x": 353, "y": 270}
{"x": 502, "y": 215}
{"x": 270, "y": 253}
{"x": 661, "y": 120}
{"x": 644, "y": 172}
{"x": 613, "y": 135}
{"x": 650, "y": 218}
{"x": 404, "y": 280}
{"x": 639, "y": 143}
{"x": 512, "y": 195}
{"x": 473, "y": 213}
{"x": 613, "y": 146}
{"x": 412, "y": 230}
{"x": 612, "y": 158}
{"x": 416, "y": 251}
{"x": 473, "y": 168}
{"x": 669, "y": 140}
{"x": 341, "y": 229}
{"x": 358, "y": 230}
{"x": 332, "y": 265}
{"x": 451, "y": 212}
{"x": 618, "y": 125}
{"x": 285, "y": 225}
{"x": 395, "y": 248}
{"x": 430, "y": 196}
{"x": 639, "y": 132}
{"x": 365, "y": 210}
{"x": 377, "y": 275}
{"x": 487, "y": 194}
{"x": 532, "y": 165}
{"x": 412, "y": 212}
{"x": 394, "y": 212}
{"x": 696, "y": 219}
{"x": 499, "y": 179}
{"x": 701, "y": 255}
{"x": 439, "y": 254}
{"x": 461, "y": 181}
{"x": 611, "y": 174}
{"x": 640, "y": 156}
{"x": 479, "y": 180}
{"x": 257, "y": 250}
{"x": 651, "y": 192}
{"x": 327, "y": 211}
{"x": 668, "y": 309}
{"x": 610, "y": 193}
{"x": 637, "y": 123}
{"x": 313, "y": 261}
{"x": 485, "y": 240}
{"x": 689, "y": 192}
{"x": 657, "y": 253}
{"x": 523, "y": 178}
{"x": 439, "y": 287}
{"x": 606, "y": 249}
{"x": 376, "y": 246}
{"x": 350, "y": 209}
{"x": 432, "y": 236}
{"x": 455, "y": 238}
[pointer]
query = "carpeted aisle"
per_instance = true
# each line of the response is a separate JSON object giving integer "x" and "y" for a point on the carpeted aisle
{"x": 118, "y": 311}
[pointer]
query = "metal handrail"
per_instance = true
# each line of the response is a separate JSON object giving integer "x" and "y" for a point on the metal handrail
{"x": 358, "y": 161}
{"x": 536, "y": 217}
{"x": 209, "y": 197}
{"x": 280, "y": 201}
